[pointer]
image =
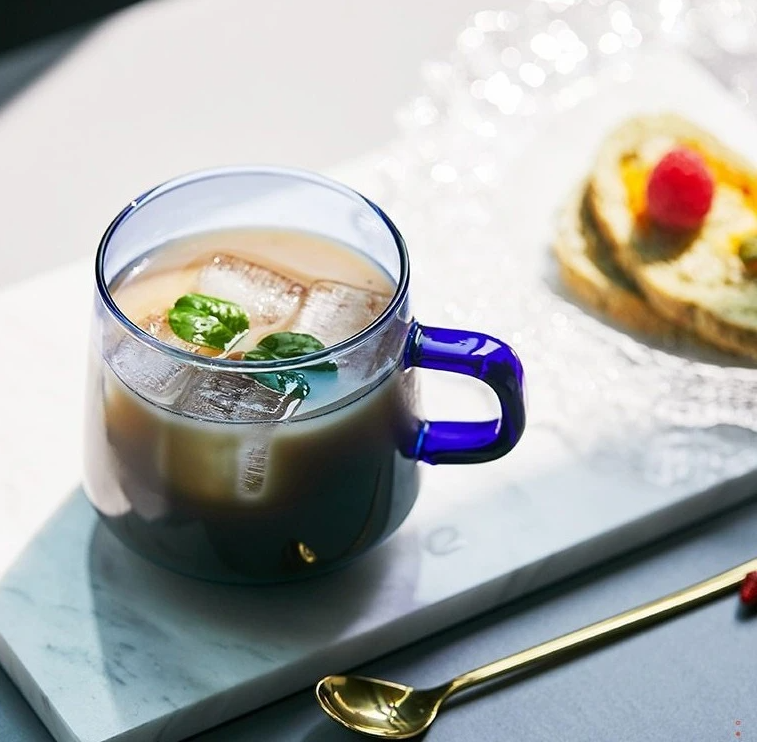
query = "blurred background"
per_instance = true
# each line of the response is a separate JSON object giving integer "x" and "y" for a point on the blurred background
{"x": 260, "y": 68}
{"x": 126, "y": 94}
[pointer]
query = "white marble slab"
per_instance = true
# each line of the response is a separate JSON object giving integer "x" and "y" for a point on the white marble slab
{"x": 107, "y": 647}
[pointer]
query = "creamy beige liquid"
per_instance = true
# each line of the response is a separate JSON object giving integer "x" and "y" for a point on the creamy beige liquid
{"x": 229, "y": 492}
{"x": 160, "y": 279}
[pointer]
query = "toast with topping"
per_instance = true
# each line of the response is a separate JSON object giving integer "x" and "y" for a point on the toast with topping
{"x": 590, "y": 272}
{"x": 700, "y": 278}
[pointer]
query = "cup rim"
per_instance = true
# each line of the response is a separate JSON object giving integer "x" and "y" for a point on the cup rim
{"x": 217, "y": 364}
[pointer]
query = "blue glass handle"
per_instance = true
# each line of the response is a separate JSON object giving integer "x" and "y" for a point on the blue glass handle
{"x": 487, "y": 359}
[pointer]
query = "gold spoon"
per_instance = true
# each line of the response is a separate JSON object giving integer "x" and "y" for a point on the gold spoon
{"x": 379, "y": 708}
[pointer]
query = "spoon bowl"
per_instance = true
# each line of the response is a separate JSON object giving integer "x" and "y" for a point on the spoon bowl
{"x": 378, "y": 707}
{"x": 388, "y": 710}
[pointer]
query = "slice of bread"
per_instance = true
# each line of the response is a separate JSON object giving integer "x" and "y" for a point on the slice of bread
{"x": 588, "y": 269}
{"x": 696, "y": 280}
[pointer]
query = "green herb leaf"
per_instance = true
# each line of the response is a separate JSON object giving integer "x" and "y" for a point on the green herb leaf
{"x": 291, "y": 344}
{"x": 259, "y": 354}
{"x": 200, "y": 329}
{"x": 231, "y": 314}
{"x": 286, "y": 382}
{"x": 295, "y": 344}
{"x": 205, "y": 320}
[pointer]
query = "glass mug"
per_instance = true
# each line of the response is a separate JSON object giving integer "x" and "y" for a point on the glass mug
{"x": 196, "y": 466}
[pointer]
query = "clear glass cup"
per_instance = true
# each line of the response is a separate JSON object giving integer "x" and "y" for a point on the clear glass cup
{"x": 196, "y": 465}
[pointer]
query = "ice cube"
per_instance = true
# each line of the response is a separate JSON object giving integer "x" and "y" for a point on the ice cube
{"x": 157, "y": 325}
{"x": 252, "y": 466}
{"x": 333, "y": 311}
{"x": 147, "y": 371}
{"x": 223, "y": 396}
{"x": 268, "y": 297}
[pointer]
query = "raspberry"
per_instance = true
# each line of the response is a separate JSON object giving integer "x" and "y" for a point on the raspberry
{"x": 749, "y": 589}
{"x": 679, "y": 190}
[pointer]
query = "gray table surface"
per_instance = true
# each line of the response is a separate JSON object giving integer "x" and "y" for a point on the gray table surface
{"x": 692, "y": 678}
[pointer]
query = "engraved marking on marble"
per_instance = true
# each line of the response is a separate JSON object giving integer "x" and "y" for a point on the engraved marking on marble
{"x": 444, "y": 540}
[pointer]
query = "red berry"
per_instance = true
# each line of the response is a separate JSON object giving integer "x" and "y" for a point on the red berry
{"x": 679, "y": 190}
{"x": 749, "y": 589}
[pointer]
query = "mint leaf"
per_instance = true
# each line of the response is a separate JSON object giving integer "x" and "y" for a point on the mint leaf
{"x": 200, "y": 329}
{"x": 205, "y": 320}
{"x": 286, "y": 382}
{"x": 290, "y": 344}
{"x": 285, "y": 345}
{"x": 295, "y": 344}
{"x": 231, "y": 314}
{"x": 259, "y": 354}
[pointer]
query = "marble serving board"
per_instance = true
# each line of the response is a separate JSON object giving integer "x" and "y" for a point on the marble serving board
{"x": 107, "y": 647}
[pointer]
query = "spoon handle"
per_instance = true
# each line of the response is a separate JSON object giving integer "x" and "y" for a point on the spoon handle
{"x": 635, "y": 618}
